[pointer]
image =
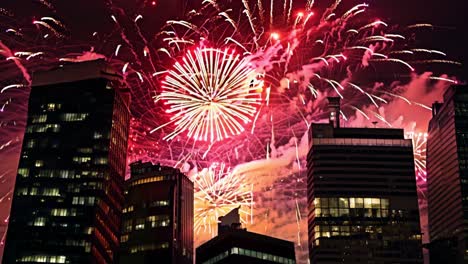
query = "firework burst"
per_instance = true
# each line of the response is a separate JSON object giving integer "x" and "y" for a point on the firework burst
{"x": 218, "y": 190}
{"x": 213, "y": 93}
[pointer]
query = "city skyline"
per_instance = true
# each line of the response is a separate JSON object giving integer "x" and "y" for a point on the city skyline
{"x": 264, "y": 161}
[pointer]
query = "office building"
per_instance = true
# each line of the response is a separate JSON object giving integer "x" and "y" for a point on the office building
{"x": 447, "y": 175}
{"x": 235, "y": 245}
{"x": 362, "y": 198}
{"x": 68, "y": 193}
{"x": 157, "y": 219}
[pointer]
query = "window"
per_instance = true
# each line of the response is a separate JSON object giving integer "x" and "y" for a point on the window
{"x": 124, "y": 238}
{"x": 39, "y": 221}
{"x": 60, "y": 212}
{"x": 42, "y": 259}
{"x": 127, "y": 226}
{"x": 39, "y": 163}
{"x": 128, "y": 209}
{"x": 148, "y": 180}
{"x": 51, "y": 192}
{"x": 81, "y": 160}
{"x": 24, "y": 172}
{"x": 38, "y": 119}
{"x": 159, "y": 203}
{"x": 140, "y": 224}
{"x": 101, "y": 161}
{"x": 158, "y": 220}
{"x": 84, "y": 200}
{"x": 74, "y": 117}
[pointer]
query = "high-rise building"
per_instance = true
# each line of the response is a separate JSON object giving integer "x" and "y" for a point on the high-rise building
{"x": 157, "y": 224}
{"x": 362, "y": 199}
{"x": 68, "y": 193}
{"x": 235, "y": 245}
{"x": 447, "y": 175}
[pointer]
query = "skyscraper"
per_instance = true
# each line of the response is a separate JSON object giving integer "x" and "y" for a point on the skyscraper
{"x": 362, "y": 198}
{"x": 447, "y": 175}
{"x": 68, "y": 194}
{"x": 235, "y": 245}
{"x": 157, "y": 224}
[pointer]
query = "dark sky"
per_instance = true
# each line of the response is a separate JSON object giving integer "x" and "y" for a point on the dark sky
{"x": 83, "y": 17}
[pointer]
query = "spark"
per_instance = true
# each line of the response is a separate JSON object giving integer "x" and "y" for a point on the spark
{"x": 211, "y": 93}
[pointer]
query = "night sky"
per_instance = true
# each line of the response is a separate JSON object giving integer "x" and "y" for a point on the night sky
{"x": 83, "y": 17}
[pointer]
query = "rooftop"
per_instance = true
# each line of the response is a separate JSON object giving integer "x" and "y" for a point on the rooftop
{"x": 72, "y": 72}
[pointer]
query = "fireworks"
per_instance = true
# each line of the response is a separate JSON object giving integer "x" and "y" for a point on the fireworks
{"x": 198, "y": 83}
{"x": 213, "y": 93}
{"x": 218, "y": 190}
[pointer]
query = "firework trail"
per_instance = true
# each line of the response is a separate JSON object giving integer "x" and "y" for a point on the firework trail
{"x": 301, "y": 55}
{"x": 218, "y": 190}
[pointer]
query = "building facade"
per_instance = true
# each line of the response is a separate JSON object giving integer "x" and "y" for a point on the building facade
{"x": 157, "y": 222}
{"x": 235, "y": 245}
{"x": 361, "y": 192}
{"x": 68, "y": 193}
{"x": 447, "y": 174}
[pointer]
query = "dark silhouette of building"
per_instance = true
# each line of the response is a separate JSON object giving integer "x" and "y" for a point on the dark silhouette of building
{"x": 361, "y": 190}
{"x": 68, "y": 193}
{"x": 447, "y": 173}
{"x": 157, "y": 224}
{"x": 235, "y": 245}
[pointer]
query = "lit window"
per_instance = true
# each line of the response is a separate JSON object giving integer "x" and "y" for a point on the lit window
{"x": 39, "y": 163}
{"x": 22, "y": 191}
{"x": 38, "y": 119}
{"x": 40, "y": 221}
{"x": 24, "y": 172}
{"x": 127, "y": 226}
{"x": 124, "y": 238}
{"x": 128, "y": 209}
{"x": 51, "y": 192}
{"x": 32, "y": 143}
{"x": 100, "y": 161}
{"x": 85, "y": 150}
{"x": 140, "y": 224}
{"x": 81, "y": 160}
{"x": 74, "y": 117}
{"x": 33, "y": 191}
{"x": 59, "y": 212}
{"x": 83, "y": 200}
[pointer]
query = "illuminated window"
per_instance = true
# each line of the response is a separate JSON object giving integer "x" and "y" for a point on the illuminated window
{"x": 127, "y": 226}
{"x": 39, "y": 221}
{"x": 43, "y": 128}
{"x": 22, "y": 191}
{"x": 140, "y": 224}
{"x": 100, "y": 161}
{"x": 32, "y": 143}
{"x": 148, "y": 180}
{"x": 38, "y": 119}
{"x": 63, "y": 212}
{"x": 158, "y": 220}
{"x": 51, "y": 192}
{"x": 124, "y": 238}
{"x": 159, "y": 203}
{"x": 24, "y": 172}
{"x": 148, "y": 247}
{"x": 88, "y": 230}
{"x": 84, "y": 200}
{"x": 42, "y": 259}
{"x": 128, "y": 209}
{"x": 33, "y": 191}
{"x": 81, "y": 160}
{"x": 74, "y": 117}
{"x": 39, "y": 163}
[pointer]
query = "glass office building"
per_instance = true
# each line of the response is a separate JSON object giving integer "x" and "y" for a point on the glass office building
{"x": 68, "y": 193}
